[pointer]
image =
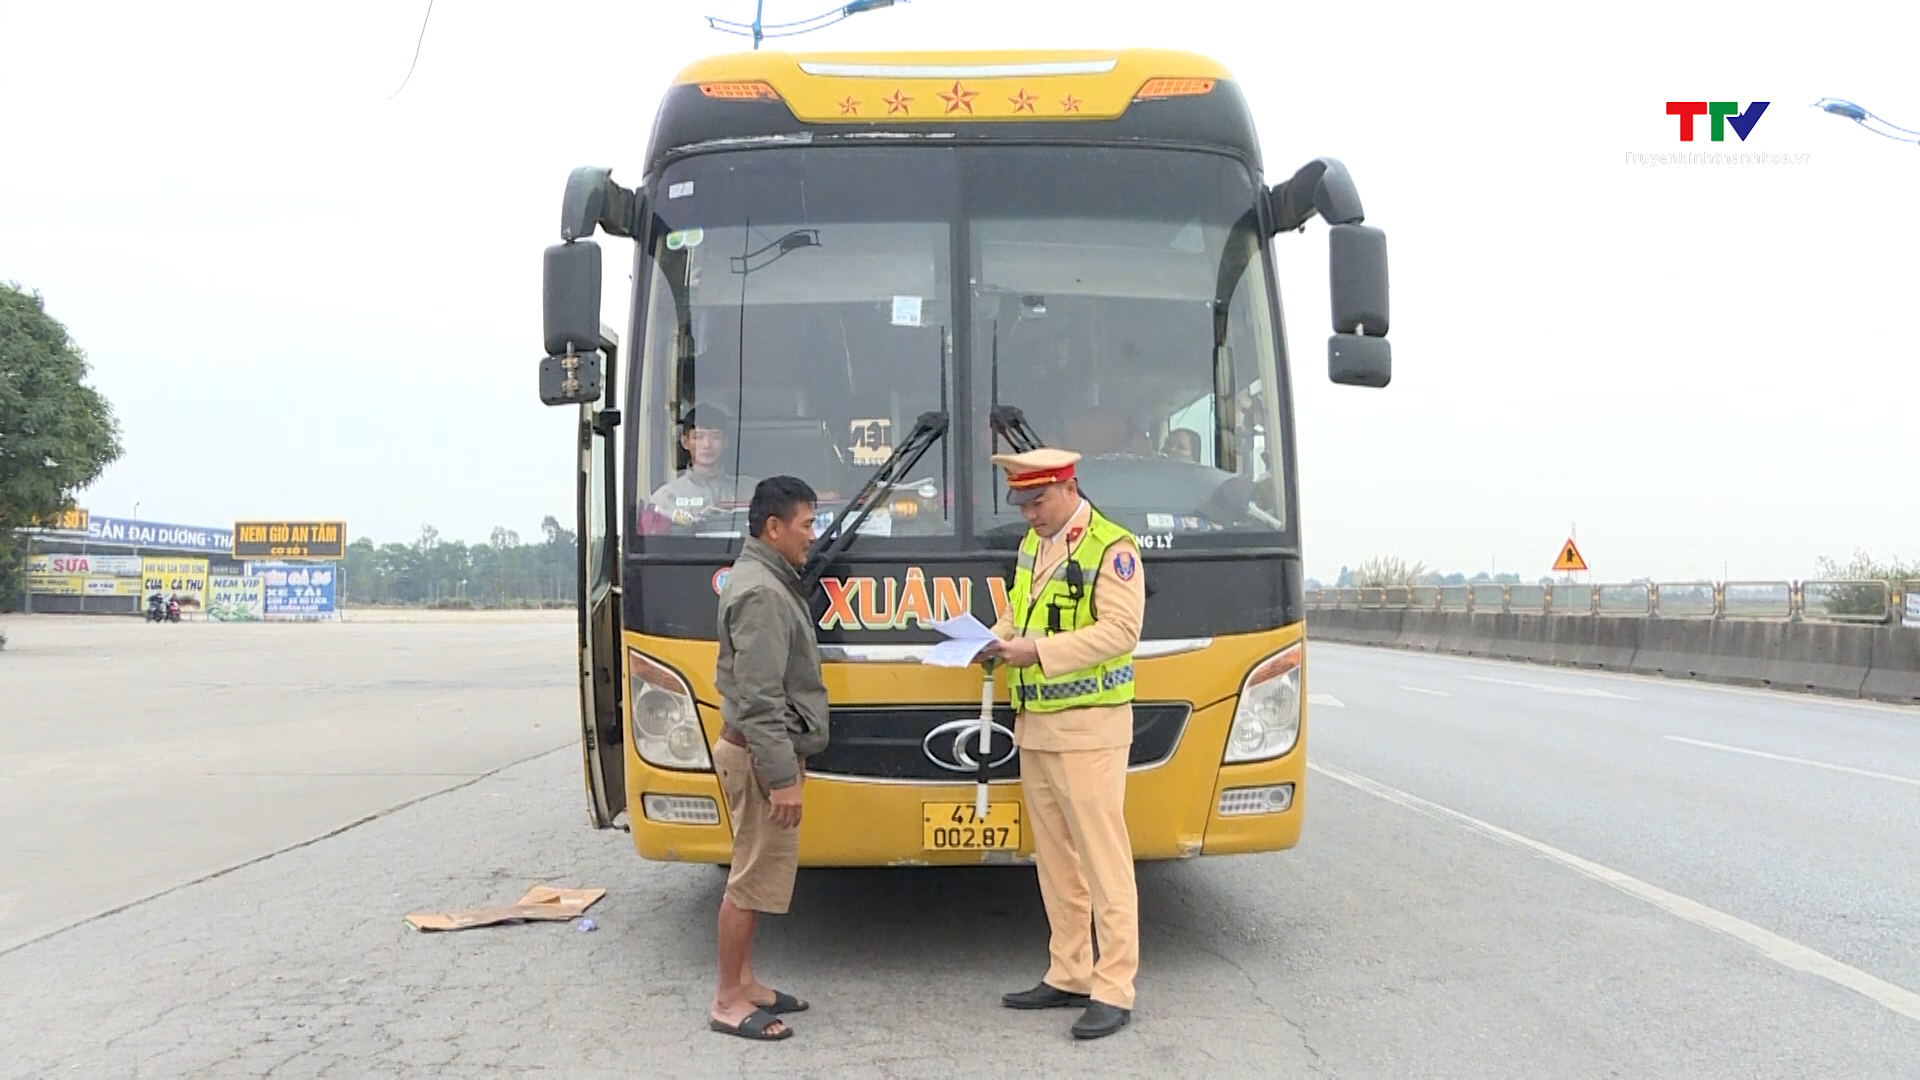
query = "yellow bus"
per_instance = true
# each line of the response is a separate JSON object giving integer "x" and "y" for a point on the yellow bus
{"x": 874, "y": 271}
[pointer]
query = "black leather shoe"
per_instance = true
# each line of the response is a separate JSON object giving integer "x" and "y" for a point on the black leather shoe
{"x": 1100, "y": 1020}
{"x": 1044, "y": 997}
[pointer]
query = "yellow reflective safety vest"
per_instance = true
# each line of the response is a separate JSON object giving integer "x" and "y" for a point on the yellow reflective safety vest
{"x": 1065, "y": 604}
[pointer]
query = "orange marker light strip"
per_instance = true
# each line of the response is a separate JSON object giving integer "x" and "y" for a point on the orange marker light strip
{"x": 740, "y": 91}
{"x": 1166, "y": 88}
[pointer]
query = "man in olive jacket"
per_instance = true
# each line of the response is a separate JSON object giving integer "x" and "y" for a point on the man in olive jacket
{"x": 773, "y": 707}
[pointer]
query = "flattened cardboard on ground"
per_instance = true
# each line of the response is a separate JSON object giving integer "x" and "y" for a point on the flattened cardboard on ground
{"x": 542, "y": 903}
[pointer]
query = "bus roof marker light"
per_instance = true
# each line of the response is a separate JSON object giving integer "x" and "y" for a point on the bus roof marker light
{"x": 739, "y": 91}
{"x": 1167, "y": 88}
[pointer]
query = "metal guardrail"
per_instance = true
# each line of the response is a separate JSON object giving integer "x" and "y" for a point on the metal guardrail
{"x": 1783, "y": 601}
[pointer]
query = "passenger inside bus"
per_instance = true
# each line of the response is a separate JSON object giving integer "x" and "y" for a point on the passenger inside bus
{"x": 704, "y": 486}
{"x": 1181, "y": 444}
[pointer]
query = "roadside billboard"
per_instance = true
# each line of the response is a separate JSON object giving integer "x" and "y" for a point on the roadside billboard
{"x": 56, "y": 584}
{"x": 73, "y": 520}
{"x": 87, "y": 565}
{"x": 236, "y": 598}
{"x": 181, "y": 579}
{"x": 64, "y": 574}
{"x": 296, "y": 592}
{"x": 152, "y": 534}
{"x": 290, "y": 540}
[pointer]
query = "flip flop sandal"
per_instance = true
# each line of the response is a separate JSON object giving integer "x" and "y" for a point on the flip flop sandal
{"x": 784, "y": 1003}
{"x": 753, "y": 1026}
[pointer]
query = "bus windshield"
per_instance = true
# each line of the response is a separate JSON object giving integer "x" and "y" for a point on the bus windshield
{"x": 1120, "y": 302}
{"x": 799, "y": 315}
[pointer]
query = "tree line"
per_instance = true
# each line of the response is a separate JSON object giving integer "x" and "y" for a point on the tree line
{"x": 1392, "y": 571}
{"x": 504, "y": 571}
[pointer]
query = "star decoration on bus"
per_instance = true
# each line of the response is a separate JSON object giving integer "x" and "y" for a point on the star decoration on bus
{"x": 959, "y": 98}
{"x": 850, "y": 106}
{"x": 1023, "y": 101}
{"x": 1069, "y": 104}
{"x": 897, "y": 103}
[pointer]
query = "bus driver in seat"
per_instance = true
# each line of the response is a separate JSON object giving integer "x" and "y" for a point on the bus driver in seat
{"x": 705, "y": 486}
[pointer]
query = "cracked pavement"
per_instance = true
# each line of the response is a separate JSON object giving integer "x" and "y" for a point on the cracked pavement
{"x": 1390, "y": 943}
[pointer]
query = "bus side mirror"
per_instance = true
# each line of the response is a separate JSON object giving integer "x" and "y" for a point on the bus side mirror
{"x": 1358, "y": 353}
{"x": 570, "y": 380}
{"x": 570, "y": 295}
{"x": 592, "y": 200}
{"x": 1357, "y": 270}
{"x": 1322, "y": 186}
{"x": 1353, "y": 360}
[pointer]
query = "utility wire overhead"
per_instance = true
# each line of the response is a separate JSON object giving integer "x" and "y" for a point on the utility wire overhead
{"x": 416, "y": 52}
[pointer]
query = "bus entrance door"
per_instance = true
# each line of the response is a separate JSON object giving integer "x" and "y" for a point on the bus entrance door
{"x": 603, "y": 728}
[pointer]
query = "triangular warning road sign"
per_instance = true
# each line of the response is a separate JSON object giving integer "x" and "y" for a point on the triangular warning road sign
{"x": 1570, "y": 558}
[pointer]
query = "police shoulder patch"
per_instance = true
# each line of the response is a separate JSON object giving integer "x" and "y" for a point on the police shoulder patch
{"x": 1124, "y": 565}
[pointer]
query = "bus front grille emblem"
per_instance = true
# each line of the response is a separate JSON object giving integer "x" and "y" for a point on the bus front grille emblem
{"x": 951, "y": 745}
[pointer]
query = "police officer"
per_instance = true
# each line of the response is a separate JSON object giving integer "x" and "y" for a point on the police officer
{"x": 1068, "y": 639}
{"x": 704, "y": 486}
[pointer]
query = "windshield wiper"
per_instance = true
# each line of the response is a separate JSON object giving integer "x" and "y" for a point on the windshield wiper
{"x": 926, "y": 431}
{"x": 1011, "y": 424}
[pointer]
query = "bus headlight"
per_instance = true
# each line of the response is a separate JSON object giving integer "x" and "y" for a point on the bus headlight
{"x": 666, "y": 727}
{"x": 1266, "y": 722}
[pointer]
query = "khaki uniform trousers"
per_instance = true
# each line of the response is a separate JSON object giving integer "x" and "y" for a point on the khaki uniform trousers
{"x": 1076, "y": 803}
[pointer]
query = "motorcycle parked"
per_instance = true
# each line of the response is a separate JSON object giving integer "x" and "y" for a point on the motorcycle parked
{"x": 158, "y": 610}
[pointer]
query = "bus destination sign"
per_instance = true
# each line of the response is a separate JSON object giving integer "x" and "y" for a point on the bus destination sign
{"x": 289, "y": 539}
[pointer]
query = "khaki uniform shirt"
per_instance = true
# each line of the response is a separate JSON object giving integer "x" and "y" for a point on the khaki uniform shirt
{"x": 688, "y": 497}
{"x": 1118, "y": 607}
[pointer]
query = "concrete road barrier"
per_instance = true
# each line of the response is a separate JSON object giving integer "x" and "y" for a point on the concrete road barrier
{"x": 1877, "y": 662}
{"x": 1895, "y": 672}
{"x": 1423, "y": 630}
{"x": 1674, "y": 648}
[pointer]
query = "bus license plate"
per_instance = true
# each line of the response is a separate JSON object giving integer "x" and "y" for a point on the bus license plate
{"x": 959, "y": 827}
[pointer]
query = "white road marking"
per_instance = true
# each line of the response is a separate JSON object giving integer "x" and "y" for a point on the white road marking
{"x": 1328, "y": 700}
{"x": 1782, "y": 951}
{"x": 1796, "y": 760}
{"x": 1549, "y": 688}
{"x": 1424, "y": 690}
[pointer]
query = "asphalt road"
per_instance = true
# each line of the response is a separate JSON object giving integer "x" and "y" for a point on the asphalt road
{"x": 135, "y": 757}
{"x": 1507, "y": 871}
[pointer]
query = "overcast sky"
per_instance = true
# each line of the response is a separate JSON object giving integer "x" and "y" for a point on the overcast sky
{"x": 306, "y": 299}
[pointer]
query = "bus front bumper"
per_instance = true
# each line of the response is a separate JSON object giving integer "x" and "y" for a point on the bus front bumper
{"x": 1174, "y": 810}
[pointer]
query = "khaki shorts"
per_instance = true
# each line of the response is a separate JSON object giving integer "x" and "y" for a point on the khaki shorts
{"x": 765, "y": 856}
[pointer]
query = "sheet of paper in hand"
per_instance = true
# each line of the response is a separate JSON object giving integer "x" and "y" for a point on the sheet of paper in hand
{"x": 965, "y": 635}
